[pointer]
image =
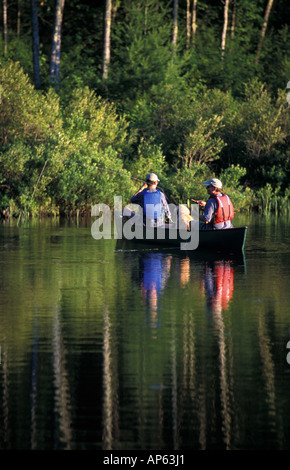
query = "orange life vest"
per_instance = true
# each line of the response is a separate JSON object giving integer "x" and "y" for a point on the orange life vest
{"x": 225, "y": 209}
{"x": 224, "y": 273}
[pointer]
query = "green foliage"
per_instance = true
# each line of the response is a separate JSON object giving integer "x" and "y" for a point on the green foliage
{"x": 54, "y": 160}
{"x": 186, "y": 183}
{"x": 265, "y": 121}
{"x": 25, "y": 114}
{"x": 149, "y": 159}
{"x": 186, "y": 115}
{"x": 202, "y": 145}
{"x": 141, "y": 51}
{"x": 231, "y": 178}
{"x": 165, "y": 112}
{"x": 271, "y": 200}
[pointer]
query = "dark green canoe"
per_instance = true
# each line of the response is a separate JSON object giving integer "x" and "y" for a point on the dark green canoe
{"x": 232, "y": 239}
{"x": 229, "y": 240}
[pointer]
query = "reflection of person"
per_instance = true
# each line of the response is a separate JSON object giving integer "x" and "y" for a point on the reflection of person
{"x": 218, "y": 210}
{"x": 219, "y": 285}
{"x": 154, "y": 272}
{"x": 184, "y": 267}
{"x": 153, "y": 201}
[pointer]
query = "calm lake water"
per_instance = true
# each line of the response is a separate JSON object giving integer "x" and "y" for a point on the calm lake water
{"x": 105, "y": 346}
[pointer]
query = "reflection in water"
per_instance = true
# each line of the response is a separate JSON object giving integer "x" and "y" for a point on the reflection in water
{"x": 154, "y": 272}
{"x": 33, "y": 391}
{"x": 80, "y": 368}
{"x": 5, "y": 392}
{"x": 219, "y": 287}
{"x": 184, "y": 270}
{"x": 63, "y": 429}
{"x": 268, "y": 368}
{"x": 110, "y": 389}
{"x": 107, "y": 386}
{"x": 217, "y": 279}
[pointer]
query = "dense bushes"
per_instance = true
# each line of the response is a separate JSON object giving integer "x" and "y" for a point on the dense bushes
{"x": 65, "y": 153}
{"x": 53, "y": 157}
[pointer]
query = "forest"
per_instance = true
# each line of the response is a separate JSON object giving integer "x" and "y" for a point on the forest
{"x": 96, "y": 94}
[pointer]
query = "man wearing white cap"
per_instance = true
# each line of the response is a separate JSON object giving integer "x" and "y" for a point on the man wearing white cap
{"x": 218, "y": 210}
{"x": 152, "y": 200}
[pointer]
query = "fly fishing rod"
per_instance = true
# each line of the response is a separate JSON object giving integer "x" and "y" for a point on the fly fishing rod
{"x": 96, "y": 167}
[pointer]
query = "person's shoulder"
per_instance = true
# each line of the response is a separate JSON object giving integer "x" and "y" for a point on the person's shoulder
{"x": 212, "y": 200}
{"x": 211, "y": 204}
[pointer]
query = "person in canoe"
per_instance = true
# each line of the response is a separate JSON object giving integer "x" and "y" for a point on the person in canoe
{"x": 218, "y": 210}
{"x": 153, "y": 202}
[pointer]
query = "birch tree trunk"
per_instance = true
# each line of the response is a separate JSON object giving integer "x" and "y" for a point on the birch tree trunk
{"x": 264, "y": 28}
{"x": 188, "y": 17}
{"x": 5, "y": 25}
{"x": 193, "y": 23}
{"x": 107, "y": 39}
{"x": 225, "y": 27}
{"x": 175, "y": 24}
{"x": 54, "y": 71}
{"x": 35, "y": 43}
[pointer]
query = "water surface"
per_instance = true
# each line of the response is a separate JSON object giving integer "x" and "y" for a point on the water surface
{"x": 110, "y": 346}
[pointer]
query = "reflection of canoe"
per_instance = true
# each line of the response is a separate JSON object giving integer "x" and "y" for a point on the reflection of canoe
{"x": 229, "y": 240}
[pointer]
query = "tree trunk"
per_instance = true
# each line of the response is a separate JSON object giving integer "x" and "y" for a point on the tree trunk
{"x": 18, "y": 18}
{"x": 264, "y": 27}
{"x": 175, "y": 24}
{"x": 188, "y": 31}
{"x": 35, "y": 43}
{"x": 54, "y": 71}
{"x": 107, "y": 38}
{"x": 225, "y": 27}
{"x": 193, "y": 23}
{"x": 5, "y": 25}
{"x": 234, "y": 14}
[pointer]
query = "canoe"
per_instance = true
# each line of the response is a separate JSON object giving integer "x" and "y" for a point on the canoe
{"x": 229, "y": 240}
{"x": 232, "y": 239}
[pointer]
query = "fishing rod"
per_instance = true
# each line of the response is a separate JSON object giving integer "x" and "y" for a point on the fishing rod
{"x": 118, "y": 172}
{"x": 106, "y": 169}
{"x": 97, "y": 167}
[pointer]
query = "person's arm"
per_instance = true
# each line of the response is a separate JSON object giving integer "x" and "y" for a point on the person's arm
{"x": 202, "y": 204}
{"x": 209, "y": 211}
{"x": 165, "y": 206}
{"x": 138, "y": 196}
{"x": 144, "y": 186}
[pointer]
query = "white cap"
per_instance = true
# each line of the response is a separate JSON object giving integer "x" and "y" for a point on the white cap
{"x": 152, "y": 177}
{"x": 215, "y": 183}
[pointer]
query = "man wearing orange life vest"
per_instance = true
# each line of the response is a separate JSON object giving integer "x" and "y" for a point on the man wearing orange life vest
{"x": 218, "y": 210}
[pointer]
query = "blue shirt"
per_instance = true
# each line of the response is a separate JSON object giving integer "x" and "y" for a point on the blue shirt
{"x": 139, "y": 199}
